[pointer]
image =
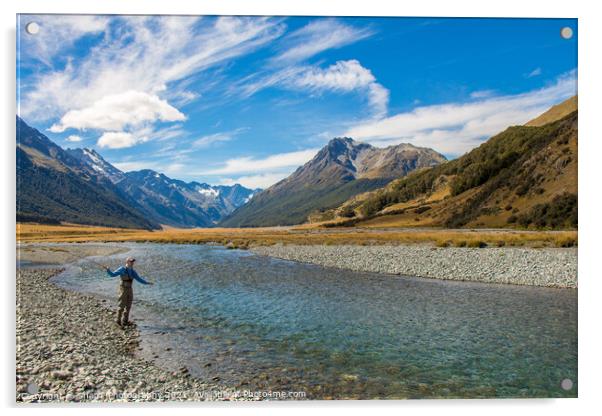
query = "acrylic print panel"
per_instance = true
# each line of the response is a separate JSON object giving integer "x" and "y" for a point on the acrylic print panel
{"x": 295, "y": 208}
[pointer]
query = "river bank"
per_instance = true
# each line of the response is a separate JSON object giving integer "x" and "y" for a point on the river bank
{"x": 241, "y": 322}
{"x": 69, "y": 349}
{"x": 550, "y": 267}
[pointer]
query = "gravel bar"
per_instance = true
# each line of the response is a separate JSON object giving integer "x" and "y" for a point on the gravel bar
{"x": 69, "y": 349}
{"x": 551, "y": 267}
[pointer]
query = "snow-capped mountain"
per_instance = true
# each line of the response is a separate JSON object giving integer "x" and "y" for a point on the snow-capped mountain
{"x": 54, "y": 185}
{"x": 93, "y": 160}
{"x": 166, "y": 200}
{"x": 155, "y": 196}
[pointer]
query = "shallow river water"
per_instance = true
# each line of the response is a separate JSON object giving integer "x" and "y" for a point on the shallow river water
{"x": 252, "y": 322}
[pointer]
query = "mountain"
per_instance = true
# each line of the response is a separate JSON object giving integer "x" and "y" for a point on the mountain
{"x": 555, "y": 112}
{"x": 96, "y": 164}
{"x": 78, "y": 185}
{"x": 166, "y": 200}
{"x": 525, "y": 176}
{"x": 341, "y": 169}
{"x": 180, "y": 204}
{"x": 54, "y": 186}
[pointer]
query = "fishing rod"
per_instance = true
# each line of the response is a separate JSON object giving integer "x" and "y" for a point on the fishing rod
{"x": 102, "y": 266}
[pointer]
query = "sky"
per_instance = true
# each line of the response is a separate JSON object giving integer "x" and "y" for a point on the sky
{"x": 226, "y": 99}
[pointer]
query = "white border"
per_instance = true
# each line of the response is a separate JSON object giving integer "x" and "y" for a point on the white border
{"x": 590, "y": 151}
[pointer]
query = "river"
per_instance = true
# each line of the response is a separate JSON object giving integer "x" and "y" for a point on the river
{"x": 253, "y": 322}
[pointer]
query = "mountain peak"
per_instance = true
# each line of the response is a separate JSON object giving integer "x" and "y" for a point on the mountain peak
{"x": 340, "y": 170}
{"x": 342, "y": 140}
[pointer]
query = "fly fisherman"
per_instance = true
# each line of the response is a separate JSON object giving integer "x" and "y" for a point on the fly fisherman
{"x": 126, "y": 294}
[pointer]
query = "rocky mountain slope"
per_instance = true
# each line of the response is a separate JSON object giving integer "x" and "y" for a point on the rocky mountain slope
{"x": 341, "y": 169}
{"x": 53, "y": 186}
{"x": 525, "y": 176}
{"x": 85, "y": 188}
{"x": 180, "y": 204}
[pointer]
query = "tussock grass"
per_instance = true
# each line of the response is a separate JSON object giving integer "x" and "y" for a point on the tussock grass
{"x": 249, "y": 237}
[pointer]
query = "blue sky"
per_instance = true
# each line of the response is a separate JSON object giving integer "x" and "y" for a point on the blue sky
{"x": 248, "y": 99}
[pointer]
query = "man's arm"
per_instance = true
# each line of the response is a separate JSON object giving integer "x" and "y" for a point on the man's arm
{"x": 116, "y": 273}
{"x": 140, "y": 279}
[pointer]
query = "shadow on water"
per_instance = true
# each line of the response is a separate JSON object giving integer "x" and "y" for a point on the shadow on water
{"x": 259, "y": 323}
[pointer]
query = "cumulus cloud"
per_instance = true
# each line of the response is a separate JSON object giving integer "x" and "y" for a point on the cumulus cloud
{"x": 270, "y": 163}
{"x": 118, "y": 140}
{"x": 455, "y": 128}
{"x": 115, "y": 112}
{"x": 318, "y": 36}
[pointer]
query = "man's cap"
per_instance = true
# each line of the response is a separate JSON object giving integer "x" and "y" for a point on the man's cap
{"x": 129, "y": 259}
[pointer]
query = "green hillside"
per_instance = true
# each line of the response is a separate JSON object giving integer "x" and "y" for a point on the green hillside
{"x": 525, "y": 176}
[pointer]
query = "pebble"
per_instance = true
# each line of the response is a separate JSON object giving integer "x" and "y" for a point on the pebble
{"x": 551, "y": 267}
{"x": 90, "y": 359}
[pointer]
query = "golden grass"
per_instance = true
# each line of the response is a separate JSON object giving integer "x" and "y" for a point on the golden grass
{"x": 246, "y": 237}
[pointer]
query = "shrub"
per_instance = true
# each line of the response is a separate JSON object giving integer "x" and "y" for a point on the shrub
{"x": 477, "y": 243}
{"x": 566, "y": 242}
{"x": 347, "y": 212}
{"x": 561, "y": 212}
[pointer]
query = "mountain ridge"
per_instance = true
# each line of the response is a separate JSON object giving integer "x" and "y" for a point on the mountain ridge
{"x": 54, "y": 186}
{"x": 525, "y": 176}
{"x": 135, "y": 194}
{"x": 339, "y": 170}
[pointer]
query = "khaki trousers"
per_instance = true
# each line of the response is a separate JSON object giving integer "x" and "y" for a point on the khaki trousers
{"x": 126, "y": 296}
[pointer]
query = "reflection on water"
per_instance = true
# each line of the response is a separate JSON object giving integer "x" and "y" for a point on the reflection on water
{"x": 259, "y": 323}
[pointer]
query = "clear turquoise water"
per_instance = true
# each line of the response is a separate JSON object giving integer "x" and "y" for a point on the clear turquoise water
{"x": 259, "y": 323}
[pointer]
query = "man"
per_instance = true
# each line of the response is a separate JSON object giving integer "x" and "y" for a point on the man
{"x": 126, "y": 294}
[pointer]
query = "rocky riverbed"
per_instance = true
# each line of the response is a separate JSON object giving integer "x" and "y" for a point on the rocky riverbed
{"x": 552, "y": 267}
{"x": 69, "y": 348}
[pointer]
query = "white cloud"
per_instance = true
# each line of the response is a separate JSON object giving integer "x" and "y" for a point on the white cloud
{"x": 118, "y": 140}
{"x": 270, "y": 163}
{"x": 256, "y": 181}
{"x": 482, "y": 94}
{"x": 534, "y": 73}
{"x": 345, "y": 76}
{"x": 115, "y": 112}
{"x": 455, "y": 128}
{"x": 175, "y": 168}
{"x": 146, "y": 54}
{"x": 74, "y": 138}
{"x": 342, "y": 76}
{"x": 57, "y": 33}
{"x": 211, "y": 139}
{"x": 316, "y": 37}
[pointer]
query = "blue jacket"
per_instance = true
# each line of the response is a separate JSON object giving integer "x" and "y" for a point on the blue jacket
{"x": 122, "y": 270}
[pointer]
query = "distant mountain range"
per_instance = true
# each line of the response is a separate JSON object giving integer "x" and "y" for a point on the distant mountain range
{"x": 341, "y": 169}
{"x": 525, "y": 176}
{"x": 78, "y": 185}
